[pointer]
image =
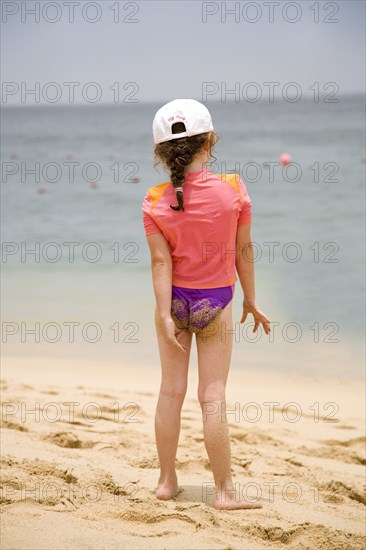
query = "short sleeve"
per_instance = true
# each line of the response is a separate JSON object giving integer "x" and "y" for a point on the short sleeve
{"x": 150, "y": 224}
{"x": 245, "y": 213}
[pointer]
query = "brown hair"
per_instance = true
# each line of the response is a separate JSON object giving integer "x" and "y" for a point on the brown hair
{"x": 178, "y": 153}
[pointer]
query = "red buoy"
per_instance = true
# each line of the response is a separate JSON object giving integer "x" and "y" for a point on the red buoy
{"x": 285, "y": 159}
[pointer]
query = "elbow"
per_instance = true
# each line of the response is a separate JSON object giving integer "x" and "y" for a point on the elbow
{"x": 159, "y": 263}
{"x": 244, "y": 252}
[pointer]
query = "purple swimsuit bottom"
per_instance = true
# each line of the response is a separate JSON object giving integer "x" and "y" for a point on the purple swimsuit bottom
{"x": 195, "y": 308}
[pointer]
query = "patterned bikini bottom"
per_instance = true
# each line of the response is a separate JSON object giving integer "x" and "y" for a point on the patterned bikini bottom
{"x": 195, "y": 308}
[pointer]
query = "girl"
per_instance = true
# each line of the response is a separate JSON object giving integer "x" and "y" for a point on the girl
{"x": 196, "y": 245}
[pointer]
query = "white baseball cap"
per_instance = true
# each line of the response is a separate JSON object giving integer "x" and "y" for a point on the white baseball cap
{"x": 192, "y": 113}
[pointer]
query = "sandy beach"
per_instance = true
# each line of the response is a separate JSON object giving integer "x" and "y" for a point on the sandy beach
{"x": 79, "y": 462}
{"x": 281, "y": 85}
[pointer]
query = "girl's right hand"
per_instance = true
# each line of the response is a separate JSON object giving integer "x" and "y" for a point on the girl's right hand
{"x": 172, "y": 333}
{"x": 259, "y": 316}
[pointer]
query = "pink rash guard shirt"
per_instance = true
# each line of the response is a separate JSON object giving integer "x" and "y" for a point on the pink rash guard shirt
{"x": 201, "y": 238}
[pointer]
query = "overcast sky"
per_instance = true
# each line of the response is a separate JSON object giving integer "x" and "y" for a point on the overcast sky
{"x": 172, "y": 48}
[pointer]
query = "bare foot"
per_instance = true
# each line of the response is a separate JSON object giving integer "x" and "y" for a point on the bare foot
{"x": 167, "y": 489}
{"x": 223, "y": 503}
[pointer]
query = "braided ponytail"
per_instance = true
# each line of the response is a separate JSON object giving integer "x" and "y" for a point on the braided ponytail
{"x": 178, "y": 153}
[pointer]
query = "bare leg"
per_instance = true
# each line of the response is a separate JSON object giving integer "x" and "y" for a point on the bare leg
{"x": 174, "y": 373}
{"x": 214, "y": 349}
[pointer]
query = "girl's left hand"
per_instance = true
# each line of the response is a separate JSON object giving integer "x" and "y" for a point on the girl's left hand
{"x": 171, "y": 332}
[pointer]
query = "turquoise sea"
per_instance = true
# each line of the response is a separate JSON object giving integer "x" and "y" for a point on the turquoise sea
{"x": 76, "y": 275}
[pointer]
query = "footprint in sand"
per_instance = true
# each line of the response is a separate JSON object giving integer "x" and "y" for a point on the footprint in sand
{"x": 339, "y": 489}
{"x": 14, "y": 426}
{"x": 36, "y": 467}
{"x": 68, "y": 440}
{"x": 148, "y": 463}
{"x": 106, "y": 481}
{"x": 358, "y": 442}
{"x": 151, "y": 516}
{"x": 351, "y": 451}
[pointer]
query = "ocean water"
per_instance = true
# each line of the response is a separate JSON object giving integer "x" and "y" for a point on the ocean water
{"x": 74, "y": 248}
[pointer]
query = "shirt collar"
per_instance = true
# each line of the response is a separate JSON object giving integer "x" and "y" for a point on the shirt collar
{"x": 200, "y": 174}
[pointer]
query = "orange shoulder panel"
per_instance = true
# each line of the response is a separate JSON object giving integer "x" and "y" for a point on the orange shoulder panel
{"x": 155, "y": 193}
{"x": 231, "y": 179}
